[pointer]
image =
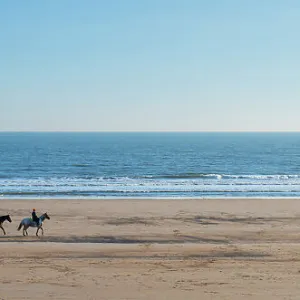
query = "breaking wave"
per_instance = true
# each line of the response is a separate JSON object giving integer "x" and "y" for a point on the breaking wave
{"x": 181, "y": 185}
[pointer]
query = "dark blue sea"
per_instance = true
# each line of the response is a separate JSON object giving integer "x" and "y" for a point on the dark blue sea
{"x": 155, "y": 165}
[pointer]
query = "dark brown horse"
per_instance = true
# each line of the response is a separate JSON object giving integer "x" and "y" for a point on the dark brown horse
{"x": 2, "y": 219}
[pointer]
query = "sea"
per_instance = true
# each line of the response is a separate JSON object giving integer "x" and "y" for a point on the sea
{"x": 149, "y": 165}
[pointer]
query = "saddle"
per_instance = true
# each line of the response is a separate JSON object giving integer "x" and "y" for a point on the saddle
{"x": 35, "y": 222}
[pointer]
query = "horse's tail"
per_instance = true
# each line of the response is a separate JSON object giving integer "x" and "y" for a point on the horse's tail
{"x": 20, "y": 226}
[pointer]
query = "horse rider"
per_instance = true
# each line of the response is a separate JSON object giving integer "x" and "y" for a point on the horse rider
{"x": 35, "y": 218}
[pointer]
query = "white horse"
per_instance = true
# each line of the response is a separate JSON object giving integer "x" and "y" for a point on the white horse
{"x": 28, "y": 222}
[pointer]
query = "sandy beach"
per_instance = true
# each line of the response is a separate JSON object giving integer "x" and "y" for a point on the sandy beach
{"x": 153, "y": 249}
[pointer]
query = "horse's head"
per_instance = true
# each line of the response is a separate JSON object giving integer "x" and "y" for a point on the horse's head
{"x": 46, "y": 216}
{"x": 8, "y": 218}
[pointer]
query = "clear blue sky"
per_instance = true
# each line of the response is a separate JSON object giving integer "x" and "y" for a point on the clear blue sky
{"x": 151, "y": 65}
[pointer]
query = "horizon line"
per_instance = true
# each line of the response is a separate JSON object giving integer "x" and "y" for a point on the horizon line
{"x": 150, "y": 131}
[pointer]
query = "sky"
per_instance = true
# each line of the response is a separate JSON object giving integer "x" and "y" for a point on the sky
{"x": 151, "y": 65}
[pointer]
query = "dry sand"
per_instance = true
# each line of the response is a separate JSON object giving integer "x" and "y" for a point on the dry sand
{"x": 153, "y": 249}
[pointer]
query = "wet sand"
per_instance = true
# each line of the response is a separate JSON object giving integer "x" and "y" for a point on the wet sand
{"x": 153, "y": 249}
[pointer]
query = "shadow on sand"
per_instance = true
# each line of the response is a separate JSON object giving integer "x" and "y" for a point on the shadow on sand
{"x": 114, "y": 239}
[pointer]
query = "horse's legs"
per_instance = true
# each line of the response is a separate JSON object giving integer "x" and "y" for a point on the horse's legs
{"x": 25, "y": 230}
{"x": 37, "y": 231}
{"x": 2, "y": 229}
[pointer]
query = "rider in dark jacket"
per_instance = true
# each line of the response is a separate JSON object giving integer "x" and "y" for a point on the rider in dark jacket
{"x": 35, "y": 218}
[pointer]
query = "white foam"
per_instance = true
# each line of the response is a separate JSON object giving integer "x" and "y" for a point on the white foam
{"x": 220, "y": 184}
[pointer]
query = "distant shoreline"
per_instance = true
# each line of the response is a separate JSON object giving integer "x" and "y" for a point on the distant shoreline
{"x": 175, "y": 131}
{"x": 143, "y": 198}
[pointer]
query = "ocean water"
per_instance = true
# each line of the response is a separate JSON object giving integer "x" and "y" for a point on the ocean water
{"x": 171, "y": 165}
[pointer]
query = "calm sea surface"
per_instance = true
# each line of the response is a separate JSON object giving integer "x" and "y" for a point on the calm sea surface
{"x": 91, "y": 165}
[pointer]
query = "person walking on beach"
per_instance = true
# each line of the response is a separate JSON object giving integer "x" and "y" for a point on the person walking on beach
{"x": 35, "y": 218}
